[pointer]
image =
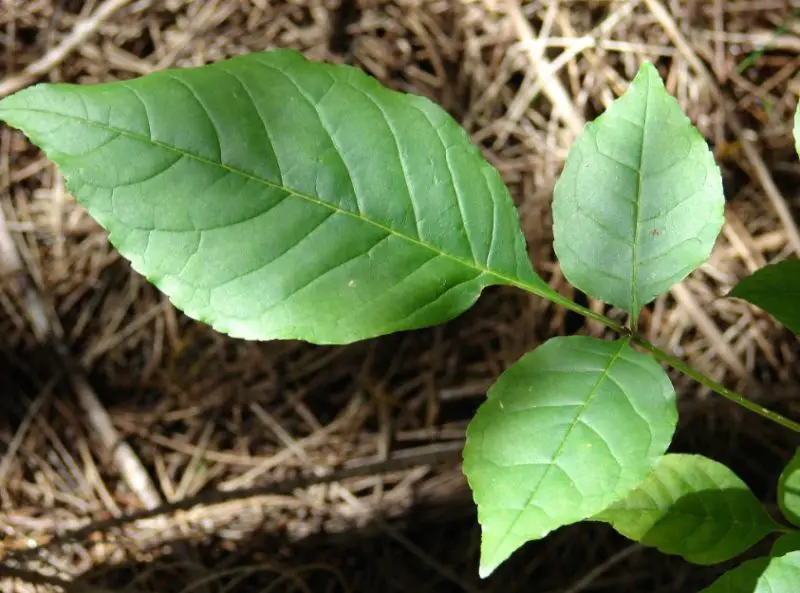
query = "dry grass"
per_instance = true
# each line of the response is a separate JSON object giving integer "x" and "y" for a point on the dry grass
{"x": 204, "y": 414}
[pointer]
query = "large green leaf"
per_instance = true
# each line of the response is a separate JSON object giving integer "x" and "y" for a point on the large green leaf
{"x": 694, "y": 507}
{"x": 762, "y": 575}
{"x": 789, "y": 489}
{"x": 639, "y": 204}
{"x": 273, "y": 197}
{"x": 776, "y": 289}
{"x": 570, "y": 428}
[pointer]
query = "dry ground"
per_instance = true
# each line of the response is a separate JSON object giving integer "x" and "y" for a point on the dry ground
{"x": 337, "y": 469}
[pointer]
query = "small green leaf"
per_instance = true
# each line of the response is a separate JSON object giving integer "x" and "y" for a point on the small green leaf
{"x": 693, "y": 507}
{"x": 277, "y": 198}
{"x": 639, "y": 204}
{"x": 570, "y": 428}
{"x": 761, "y": 575}
{"x": 788, "y": 542}
{"x": 789, "y": 490}
{"x": 776, "y": 289}
{"x": 797, "y": 129}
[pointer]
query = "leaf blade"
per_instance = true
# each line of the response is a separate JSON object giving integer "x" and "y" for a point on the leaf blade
{"x": 761, "y": 575}
{"x": 797, "y": 129}
{"x": 774, "y": 288}
{"x": 544, "y": 449}
{"x": 788, "y": 542}
{"x": 789, "y": 490}
{"x": 248, "y": 193}
{"x": 693, "y": 507}
{"x": 626, "y": 226}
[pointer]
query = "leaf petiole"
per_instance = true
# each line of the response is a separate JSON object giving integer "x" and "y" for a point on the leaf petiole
{"x": 666, "y": 358}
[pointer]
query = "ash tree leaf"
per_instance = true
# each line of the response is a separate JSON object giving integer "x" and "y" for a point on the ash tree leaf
{"x": 789, "y": 490}
{"x": 693, "y": 507}
{"x": 775, "y": 288}
{"x": 568, "y": 429}
{"x": 278, "y": 198}
{"x": 639, "y": 203}
{"x": 788, "y": 542}
{"x": 779, "y": 574}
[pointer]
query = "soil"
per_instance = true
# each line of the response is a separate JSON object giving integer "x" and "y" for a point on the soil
{"x": 287, "y": 467}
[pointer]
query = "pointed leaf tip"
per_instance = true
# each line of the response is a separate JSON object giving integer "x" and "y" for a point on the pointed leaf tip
{"x": 237, "y": 190}
{"x": 693, "y": 507}
{"x": 485, "y": 571}
{"x": 545, "y": 449}
{"x": 639, "y": 203}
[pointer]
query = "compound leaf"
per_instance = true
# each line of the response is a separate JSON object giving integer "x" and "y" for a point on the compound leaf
{"x": 567, "y": 430}
{"x": 789, "y": 490}
{"x": 779, "y": 574}
{"x": 775, "y": 289}
{"x": 693, "y": 507}
{"x": 273, "y": 197}
{"x": 639, "y": 204}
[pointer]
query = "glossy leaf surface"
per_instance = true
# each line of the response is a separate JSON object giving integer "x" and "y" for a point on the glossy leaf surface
{"x": 567, "y": 430}
{"x": 639, "y": 204}
{"x": 273, "y": 197}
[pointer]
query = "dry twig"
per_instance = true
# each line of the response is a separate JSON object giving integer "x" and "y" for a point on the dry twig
{"x": 55, "y": 56}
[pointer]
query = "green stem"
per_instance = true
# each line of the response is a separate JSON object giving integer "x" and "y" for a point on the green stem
{"x": 733, "y": 396}
{"x": 672, "y": 361}
{"x": 558, "y": 299}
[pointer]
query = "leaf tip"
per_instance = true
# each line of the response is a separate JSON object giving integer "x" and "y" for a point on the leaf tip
{"x": 649, "y": 73}
{"x": 496, "y": 548}
{"x": 486, "y": 569}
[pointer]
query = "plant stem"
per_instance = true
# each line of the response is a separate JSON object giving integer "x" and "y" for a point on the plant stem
{"x": 733, "y": 396}
{"x": 672, "y": 361}
{"x": 558, "y": 299}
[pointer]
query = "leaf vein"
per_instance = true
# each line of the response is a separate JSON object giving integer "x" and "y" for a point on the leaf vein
{"x": 206, "y": 112}
{"x": 400, "y": 158}
{"x": 311, "y": 282}
{"x": 288, "y": 249}
{"x": 590, "y": 396}
{"x": 270, "y": 143}
{"x": 330, "y": 136}
{"x": 359, "y": 215}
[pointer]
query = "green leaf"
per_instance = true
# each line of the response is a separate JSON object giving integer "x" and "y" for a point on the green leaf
{"x": 639, "y": 204}
{"x": 797, "y": 129}
{"x": 567, "y": 430}
{"x": 761, "y": 575}
{"x": 776, "y": 289}
{"x": 789, "y": 490}
{"x": 693, "y": 507}
{"x": 273, "y": 197}
{"x": 788, "y": 542}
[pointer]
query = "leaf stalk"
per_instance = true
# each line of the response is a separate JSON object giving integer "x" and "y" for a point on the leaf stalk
{"x": 666, "y": 358}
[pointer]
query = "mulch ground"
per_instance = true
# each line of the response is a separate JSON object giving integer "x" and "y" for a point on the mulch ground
{"x": 290, "y": 468}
